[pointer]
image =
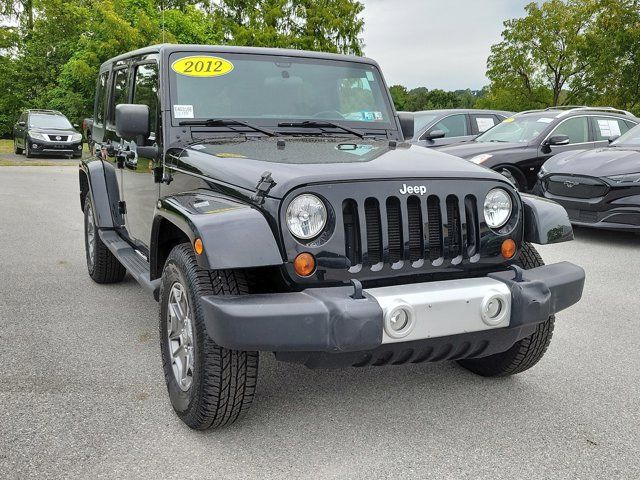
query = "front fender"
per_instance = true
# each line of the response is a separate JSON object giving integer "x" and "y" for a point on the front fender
{"x": 545, "y": 221}
{"x": 102, "y": 186}
{"x": 234, "y": 234}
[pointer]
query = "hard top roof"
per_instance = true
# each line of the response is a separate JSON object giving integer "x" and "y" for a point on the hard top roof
{"x": 169, "y": 48}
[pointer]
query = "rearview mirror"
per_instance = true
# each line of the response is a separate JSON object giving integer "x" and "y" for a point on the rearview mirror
{"x": 132, "y": 122}
{"x": 558, "y": 140}
{"x": 435, "y": 134}
{"x": 407, "y": 124}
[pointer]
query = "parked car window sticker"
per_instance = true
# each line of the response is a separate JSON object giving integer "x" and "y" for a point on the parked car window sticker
{"x": 608, "y": 127}
{"x": 484, "y": 123}
{"x": 202, "y": 66}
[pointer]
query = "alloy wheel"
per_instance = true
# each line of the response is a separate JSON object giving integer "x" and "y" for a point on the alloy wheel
{"x": 180, "y": 336}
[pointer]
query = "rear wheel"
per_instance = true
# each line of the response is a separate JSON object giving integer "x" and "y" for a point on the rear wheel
{"x": 209, "y": 386}
{"x": 102, "y": 265}
{"x": 17, "y": 150}
{"x": 525, "y": 353}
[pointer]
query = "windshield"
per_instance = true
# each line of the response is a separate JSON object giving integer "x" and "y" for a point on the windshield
{"x": 516, "y": 130}
{"x": 43, "y": 120}
{"x": 269, "y": 90}
{"x": 631, "y": 138}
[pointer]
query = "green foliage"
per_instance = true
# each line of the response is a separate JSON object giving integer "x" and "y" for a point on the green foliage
{"x": 51, "y": 50}
{"x": 423, "y": 99}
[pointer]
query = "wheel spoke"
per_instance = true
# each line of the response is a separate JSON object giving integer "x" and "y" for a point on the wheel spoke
{"x": 180, "y": 335}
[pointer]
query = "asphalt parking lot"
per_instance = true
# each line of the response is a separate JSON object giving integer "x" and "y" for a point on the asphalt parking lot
{"x": 82, "y": 393}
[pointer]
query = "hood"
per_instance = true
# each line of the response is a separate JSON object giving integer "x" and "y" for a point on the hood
{"x": 242, "y": 161}
{"x": 471, "y": 149}
{"x": 54, "y": 131}
{"x": 600, "y": 162}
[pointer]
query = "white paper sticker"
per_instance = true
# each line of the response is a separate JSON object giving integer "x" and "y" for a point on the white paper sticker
{"x": 609, "y": 128}
{"x": 484, "y": 124}
{"x": 545, "y": 120}
{"x": 370, "y": 76}
{"x": 183, "y": 111}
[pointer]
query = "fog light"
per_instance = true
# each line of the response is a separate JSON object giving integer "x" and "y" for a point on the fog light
{"x": 494, "y": 310}
{"x": 399, "y": 321}
{"x": 304, "y": 264}
{"x": 508, "y": 249}
{"x": 34, "y": 145}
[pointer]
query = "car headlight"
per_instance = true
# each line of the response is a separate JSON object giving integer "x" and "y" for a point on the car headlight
{"x": 306, "y": 216}
{"x": 76, "y": 137}
{"x": 480, "y": 158}
{"x": 626, "y": 178}
{"x": 497, "y": 208}
{"x": 542, "y": 172}
{"x": 37, "y": 136}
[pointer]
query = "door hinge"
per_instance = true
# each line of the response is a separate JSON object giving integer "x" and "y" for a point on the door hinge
{"x": 122, "y": 207}
{"x": 263, "y": 187}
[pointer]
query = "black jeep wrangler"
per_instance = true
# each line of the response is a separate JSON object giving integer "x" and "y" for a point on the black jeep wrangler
{"x": 269, "y": 202}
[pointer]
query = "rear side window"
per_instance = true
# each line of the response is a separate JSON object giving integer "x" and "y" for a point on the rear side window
{"x": 120, "y": 91}
{"x": 606, "y": 127}
{"x": 577, "y": 129}
{"x": 453, "y": 126}
{"x": 145, "y": 91}
{"x": 101, "y": 97}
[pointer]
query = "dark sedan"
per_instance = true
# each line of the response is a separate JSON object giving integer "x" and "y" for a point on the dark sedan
{"x": 598, "y": 188}
{"x": 436, "y": 128}
{"x": 519, "y": 146}
{"x": 46, "y": 132}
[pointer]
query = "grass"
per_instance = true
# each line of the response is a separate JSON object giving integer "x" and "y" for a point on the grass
{"x": 6, "y": 146}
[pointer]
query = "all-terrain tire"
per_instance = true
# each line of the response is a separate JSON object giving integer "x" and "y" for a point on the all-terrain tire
{"x": 223, "y": 381}
{"x": 525, "y": 353}
{"x": 102, "y": 265}
{"x": 17, "y": 150}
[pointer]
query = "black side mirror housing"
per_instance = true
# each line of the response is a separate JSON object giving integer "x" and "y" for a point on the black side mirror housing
{"x": 558, "y": 140}
{"x": 132, "y": 122}
{"x": 435, "y": 134}
{"x": 407, "y": 124}
{"x": 613, "y": 138}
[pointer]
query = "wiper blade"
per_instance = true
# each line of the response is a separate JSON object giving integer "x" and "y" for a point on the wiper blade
{"x": 321, "y": 125}
{"x": 226, "y": 122}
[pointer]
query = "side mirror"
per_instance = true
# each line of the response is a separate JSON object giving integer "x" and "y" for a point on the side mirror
{"x": 435, "y": 134}
{"x": 558, "y": 140}
{"x": 22, "y": 124}
{"x": 407, "y": 124}
{"x": 132, "y": 122}
{"x": 75, "y": 125}
{"x": 613, "y": 138}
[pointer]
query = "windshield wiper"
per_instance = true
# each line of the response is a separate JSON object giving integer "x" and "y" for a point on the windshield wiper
{"x": 321, "y": 125}
{"x": 227, "y": 122}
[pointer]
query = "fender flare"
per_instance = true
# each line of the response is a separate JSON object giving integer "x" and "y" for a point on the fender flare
{"x": 102, "y": 186}
{"x": 545, "y": 221}
{"x": 234, "y": 234}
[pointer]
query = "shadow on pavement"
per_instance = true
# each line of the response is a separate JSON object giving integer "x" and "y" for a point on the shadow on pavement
{"x": 611, "y": 237}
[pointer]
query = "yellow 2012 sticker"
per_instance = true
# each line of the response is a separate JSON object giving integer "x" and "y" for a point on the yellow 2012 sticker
{"x": 202, "y": 66}
{"x": 508, "y": 120}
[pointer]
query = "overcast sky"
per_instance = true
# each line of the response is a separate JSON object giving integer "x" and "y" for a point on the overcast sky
{"x": 435, "y": 43}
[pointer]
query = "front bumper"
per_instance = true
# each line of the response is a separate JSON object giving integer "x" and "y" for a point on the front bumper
{"x": 55, "y": 148}
{"x": 329, "y": 320}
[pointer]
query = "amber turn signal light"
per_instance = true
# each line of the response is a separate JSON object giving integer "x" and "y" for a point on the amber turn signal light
{"x": 198, "y": 247}
{"x": 508, "y": 249}
{"x": 304, "y": 264}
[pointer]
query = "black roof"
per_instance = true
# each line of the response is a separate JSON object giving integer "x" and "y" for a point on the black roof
{"x": 171, "y": 48}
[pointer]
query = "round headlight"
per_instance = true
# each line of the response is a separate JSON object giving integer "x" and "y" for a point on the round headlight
{"x": 497, "y": 208}
{"x": 306, "y": 216}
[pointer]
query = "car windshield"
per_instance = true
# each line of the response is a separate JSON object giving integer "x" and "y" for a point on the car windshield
{"x": 422, "y": 120}
{"x": 629, "y": 139}
{"x": 44, "y": 120}
{"x": 516, "y": 129}
{"x": 268, "y": 90}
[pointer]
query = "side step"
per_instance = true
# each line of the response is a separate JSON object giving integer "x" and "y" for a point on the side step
{"x": 136, "y": 265}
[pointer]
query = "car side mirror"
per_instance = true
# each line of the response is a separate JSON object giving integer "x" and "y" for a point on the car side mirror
{"x": 132, "y": 122}
{"x": 558, "y": 140}
{"x": 407, "y": 124}
{"x": 22, "y": 124}
{"x": 75, "y": 125}
{"x": 613, "y": 138}
{"x": 435, "y": 134}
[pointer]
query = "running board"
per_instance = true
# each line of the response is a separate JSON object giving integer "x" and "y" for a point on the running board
{"x": 130, "y": 259}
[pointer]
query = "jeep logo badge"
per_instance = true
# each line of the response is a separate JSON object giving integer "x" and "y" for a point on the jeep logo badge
{"x": 415, "y": 189}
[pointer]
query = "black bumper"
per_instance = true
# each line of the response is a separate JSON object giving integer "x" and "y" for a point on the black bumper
{"x": 39, "y": 147}
{"x": 329, "y": 320}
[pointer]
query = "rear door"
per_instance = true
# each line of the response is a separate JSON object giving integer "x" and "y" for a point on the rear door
{"x": 605, "y": 127}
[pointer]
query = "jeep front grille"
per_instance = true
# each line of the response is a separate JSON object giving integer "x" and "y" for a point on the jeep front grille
{"x": 396, "y": 230}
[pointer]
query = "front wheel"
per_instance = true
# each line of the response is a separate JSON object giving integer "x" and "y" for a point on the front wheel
{"x": 209, "y": 386}
{"x": 27, "y": 149}
{"x": 525, "y": 353}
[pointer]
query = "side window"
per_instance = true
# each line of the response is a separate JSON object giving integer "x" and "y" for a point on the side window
{"x": 606, "y": 127}
{"x": 145, "y": 91}
{"x": 577, "y": 129}
{"x": 482, "y": 123}
{"x": 453, "y": 126}
{"x": 120, "y": 92}
{"x": 101, "y": 98}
